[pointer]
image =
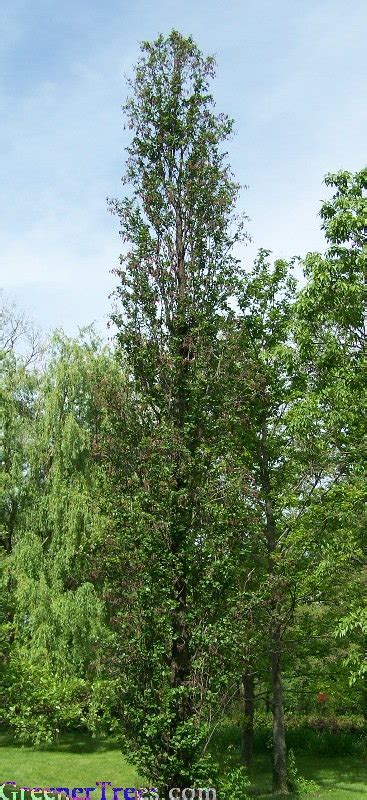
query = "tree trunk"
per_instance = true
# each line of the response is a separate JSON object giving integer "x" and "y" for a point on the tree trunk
{"x": 280, "y": 775}
{"x": 247, "y": 727}
{"x": 180, "y": 656}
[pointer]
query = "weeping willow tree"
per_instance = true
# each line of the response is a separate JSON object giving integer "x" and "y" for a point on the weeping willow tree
{"x": 20, "y": 351}
{"x": 59, "y": 624}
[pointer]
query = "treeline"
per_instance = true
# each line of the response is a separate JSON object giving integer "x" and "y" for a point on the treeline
{"x": 183, "y": 511}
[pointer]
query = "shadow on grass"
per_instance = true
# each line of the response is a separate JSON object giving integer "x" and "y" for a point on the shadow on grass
{"x": 77, "y": 742}
{"x": 334, "y": 775}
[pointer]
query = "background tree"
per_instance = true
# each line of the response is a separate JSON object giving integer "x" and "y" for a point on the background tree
{"x": 292, "y": 473}
{"x": 332, "y": 336}
{"x": 21, "y": 351}
{"x": 59, "y": 624}
{"x": 262, "y": 392}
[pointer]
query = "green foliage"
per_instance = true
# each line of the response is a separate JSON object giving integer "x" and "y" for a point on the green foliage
{"x": 190, "y": 508}
{"x": 335, "y": 291}
{"x": 54, "y": 613}
{"x": 57, "y": 608}
{"x": 354, "y": 628}
{"x": 297, "y": 783}
{"x": 100, "y": 717}
{"x": 174, "y": 287}
{"x": 234, "y": 784}
{"x": 39, "y": 702}
{"x": 332, "y": 341}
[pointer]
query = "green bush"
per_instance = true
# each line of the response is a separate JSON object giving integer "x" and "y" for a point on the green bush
{"x": 297, "y": 783}
{"x": 233, "y": 785}
{"x": 312, "y": 735}
{"x": 39, "y": 703}
{"x": 100, "y": 718}
{"x": 343, "y": 735}
{"x": 232, "y": 781}
{"x": 334, "y": 736}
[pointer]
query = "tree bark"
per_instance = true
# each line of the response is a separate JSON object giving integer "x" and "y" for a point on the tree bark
{"x": 280, "y": 774}
{"x": 180, "y": 656}
{"x": 247, "y": 727}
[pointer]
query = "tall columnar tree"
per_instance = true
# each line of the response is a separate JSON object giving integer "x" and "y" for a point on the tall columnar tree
{"x": 175, "y": 280}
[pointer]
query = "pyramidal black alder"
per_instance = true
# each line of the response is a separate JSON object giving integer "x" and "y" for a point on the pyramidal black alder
{"x": 175, "y": 281}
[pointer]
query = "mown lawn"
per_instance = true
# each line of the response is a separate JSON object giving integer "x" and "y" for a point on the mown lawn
{"x": 76, "y": 761}
{"x": 339, "y": 778}
{"x": 80, "y": 761}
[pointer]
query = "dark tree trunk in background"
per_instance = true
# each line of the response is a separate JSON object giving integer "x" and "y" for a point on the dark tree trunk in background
{"x": 280, "y": 776}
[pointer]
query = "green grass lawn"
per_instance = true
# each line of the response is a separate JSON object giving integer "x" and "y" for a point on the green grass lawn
{"x": 80, "y": 761}
{"x": 339, "y": 778}
{"x": 76, "y": 761}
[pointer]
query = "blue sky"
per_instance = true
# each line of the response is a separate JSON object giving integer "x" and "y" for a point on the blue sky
{"x": 292, "y": 74}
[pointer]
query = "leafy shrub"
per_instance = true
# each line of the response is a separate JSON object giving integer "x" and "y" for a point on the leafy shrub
{"x": 232, "y": 781}
{"x": 350, "y": 724}
{"x": 327, "y": 736}
{"x": 343, "y": 735}
{"x": 101, "y": 719}
{"x": 233, "y": 785}
{"x": 39, "y": 703}
{"x": 297, "y": 783}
